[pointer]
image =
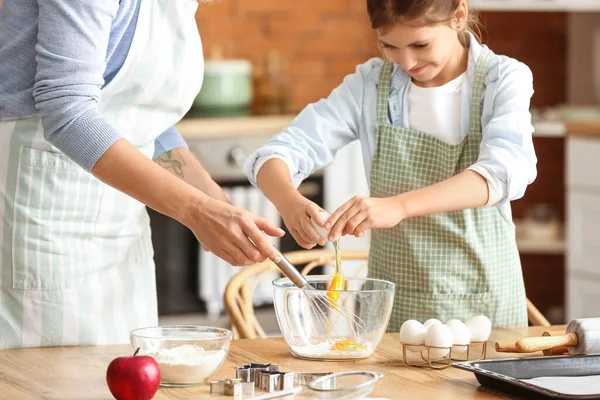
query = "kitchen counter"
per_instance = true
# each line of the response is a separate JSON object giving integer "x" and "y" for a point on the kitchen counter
{"x": 589, "y": 129}
{"x": 234, "y": 127}
{"x": 79, "y": 372}
{"x": 266, "y": 126}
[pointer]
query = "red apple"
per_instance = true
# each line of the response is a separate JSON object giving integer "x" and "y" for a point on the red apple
{"x": 133, "y": 377}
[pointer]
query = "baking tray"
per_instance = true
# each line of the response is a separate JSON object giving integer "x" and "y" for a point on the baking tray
{"x": 505, "y": 374}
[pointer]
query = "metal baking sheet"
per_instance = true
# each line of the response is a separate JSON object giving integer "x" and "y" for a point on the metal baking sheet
{"x": 508, "y": 375}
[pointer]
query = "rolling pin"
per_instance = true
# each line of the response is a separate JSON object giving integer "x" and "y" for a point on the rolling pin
{"x": 510, "y": 346}
{"x": 582, "y": 337}
{"x": 557, "y": 351}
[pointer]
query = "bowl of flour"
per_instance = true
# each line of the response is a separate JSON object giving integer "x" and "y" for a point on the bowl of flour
{"x": 187, "y": 355}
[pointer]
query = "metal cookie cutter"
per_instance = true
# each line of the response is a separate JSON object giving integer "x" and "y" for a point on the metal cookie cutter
{"x": 250, "y": 372}
{"x": 231, "y": 387}
{"x": 304, "y": 378}
{"x": 271, "y": 381}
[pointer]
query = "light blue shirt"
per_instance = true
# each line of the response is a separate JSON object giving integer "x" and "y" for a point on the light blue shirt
{"x": 55, "y": 57}
{"x": 507, "y": 158}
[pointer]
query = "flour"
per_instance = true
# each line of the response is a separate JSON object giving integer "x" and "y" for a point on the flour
{"x": 188, "y": 364}
{"x": 323, "y": 350}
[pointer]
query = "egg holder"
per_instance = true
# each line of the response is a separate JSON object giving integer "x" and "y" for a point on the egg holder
{"x": 445, "y": 361}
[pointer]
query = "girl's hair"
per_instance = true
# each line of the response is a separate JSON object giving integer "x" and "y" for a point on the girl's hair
{"x": 385, "y": 13}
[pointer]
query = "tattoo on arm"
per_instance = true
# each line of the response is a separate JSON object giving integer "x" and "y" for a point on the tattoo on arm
{"x": 167, "y": 161}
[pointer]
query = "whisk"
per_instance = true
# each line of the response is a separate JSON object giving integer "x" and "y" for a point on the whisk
{"x": 322, "y": 305}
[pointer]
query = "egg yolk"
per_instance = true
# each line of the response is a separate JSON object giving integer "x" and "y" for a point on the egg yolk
{"x": 348, "y": 345}
{"x": 337, "y": 283}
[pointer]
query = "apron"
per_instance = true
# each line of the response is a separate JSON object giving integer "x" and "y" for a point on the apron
{"x": 76, "y": 258}
{"x": 447, "y": 265}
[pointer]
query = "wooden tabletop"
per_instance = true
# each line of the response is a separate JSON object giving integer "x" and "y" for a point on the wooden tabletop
{"x": 79, "y": 372}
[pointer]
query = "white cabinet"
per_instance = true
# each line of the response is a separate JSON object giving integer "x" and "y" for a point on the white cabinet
{"x": 583, "y": 228}
{"x": 583, "y": 164}
{"x": 583, "y": 298}
{"x": 535, "y": 5}
{"x": 584, "y": 233}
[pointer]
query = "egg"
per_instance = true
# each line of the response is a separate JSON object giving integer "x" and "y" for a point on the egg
{"x": 413, "y": 332}
{"x": 460, "y": 335}
{"x": 430, "y": 322}
{"x": 438, "y": 335}
{"x": 480, "y": 328}
{"x": 321, "y": 231}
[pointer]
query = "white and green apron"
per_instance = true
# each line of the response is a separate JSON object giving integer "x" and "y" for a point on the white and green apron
{"x": 447, "y": 265}
{"x": 76, "y": 258}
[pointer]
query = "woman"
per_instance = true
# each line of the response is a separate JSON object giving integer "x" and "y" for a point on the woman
{"x": 89, "y": 95}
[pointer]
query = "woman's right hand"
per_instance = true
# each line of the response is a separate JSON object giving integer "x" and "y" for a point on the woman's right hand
{"x": 297, "y": 213}
{"x": 231, "y": 233}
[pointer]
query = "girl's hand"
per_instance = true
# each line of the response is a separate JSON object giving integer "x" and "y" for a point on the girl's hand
{"x": 297, "y": 213}
{"x": 361, "y": 213}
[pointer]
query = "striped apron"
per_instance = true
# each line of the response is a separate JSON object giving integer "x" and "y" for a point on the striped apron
{"x": 76, "y": 259}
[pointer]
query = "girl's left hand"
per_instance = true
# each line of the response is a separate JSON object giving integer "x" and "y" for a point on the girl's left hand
{"x": 361, "y": 213}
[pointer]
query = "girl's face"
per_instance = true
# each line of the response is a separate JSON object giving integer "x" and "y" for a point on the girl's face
{"x": 429, "y": 53}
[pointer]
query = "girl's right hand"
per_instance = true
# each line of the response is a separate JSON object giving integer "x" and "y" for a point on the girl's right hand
{"x": 231, "y": 233}
{"x": 297, "y": 214}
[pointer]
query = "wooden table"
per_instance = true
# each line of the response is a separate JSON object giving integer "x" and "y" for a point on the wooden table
{"x": 79, "y": 372}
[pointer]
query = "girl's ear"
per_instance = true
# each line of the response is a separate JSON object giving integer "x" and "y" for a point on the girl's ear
{"x": 461, "y": 15}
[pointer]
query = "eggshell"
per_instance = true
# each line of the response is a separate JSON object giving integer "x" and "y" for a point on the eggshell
{"x": 413, "y": 332}
{"x": 321, "y": 231}
{"x": 438, "y": 335}
{"x": 480, "y": 328}
{"x": 430, "y": 322}
{"x": 460, "y": 335}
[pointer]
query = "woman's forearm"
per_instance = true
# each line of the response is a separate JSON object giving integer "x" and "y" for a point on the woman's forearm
{"x": 182, "y": 163}
{"x": 463, "y": 191}
{"x": 125, "y": 168}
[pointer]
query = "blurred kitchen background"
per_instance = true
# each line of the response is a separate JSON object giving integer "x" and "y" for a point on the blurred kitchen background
{"x": 267, "y": 59}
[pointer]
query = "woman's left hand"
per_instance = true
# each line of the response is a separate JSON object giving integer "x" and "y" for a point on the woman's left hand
{"x": 361, "y": 213}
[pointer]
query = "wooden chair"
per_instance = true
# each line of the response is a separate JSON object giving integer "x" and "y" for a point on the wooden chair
{"x": 240, "y": 289}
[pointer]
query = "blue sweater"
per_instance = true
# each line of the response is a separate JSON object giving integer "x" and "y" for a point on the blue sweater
{"x": 55, "y": 57}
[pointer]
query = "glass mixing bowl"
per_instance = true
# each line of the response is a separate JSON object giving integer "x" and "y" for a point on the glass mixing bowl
{"x": 186, "y": 354}
{"x": 323, "y": 324}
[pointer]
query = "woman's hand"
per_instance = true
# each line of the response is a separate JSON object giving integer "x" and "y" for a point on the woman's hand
{"x": 362, "y": 213}
{"x": 231, "y": 233}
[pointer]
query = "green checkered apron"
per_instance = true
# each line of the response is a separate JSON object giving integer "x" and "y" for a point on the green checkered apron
{"x": 447, "y": 265}
{"x": 76, "y": 258}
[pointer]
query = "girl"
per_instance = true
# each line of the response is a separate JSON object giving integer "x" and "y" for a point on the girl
{"x": 446, "y": 136}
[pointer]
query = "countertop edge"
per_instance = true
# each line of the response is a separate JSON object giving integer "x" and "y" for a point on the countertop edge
{"x": 268, "y": 125}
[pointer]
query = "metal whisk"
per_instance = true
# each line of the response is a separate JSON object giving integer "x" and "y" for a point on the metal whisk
{"x": 331, "y": 315}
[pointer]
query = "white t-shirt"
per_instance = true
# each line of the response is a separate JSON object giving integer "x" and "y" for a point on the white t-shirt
{"x": 437, "y": 111}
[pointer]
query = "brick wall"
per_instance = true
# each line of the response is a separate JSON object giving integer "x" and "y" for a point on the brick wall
{"x": 323, "y": 40}
{"x": 320, "y": 40}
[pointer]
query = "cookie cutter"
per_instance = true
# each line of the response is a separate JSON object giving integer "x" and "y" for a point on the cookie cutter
{"x": 250, "y": 372}
{"x": 271, "y": 381}
{"x": 231, "y": 387}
